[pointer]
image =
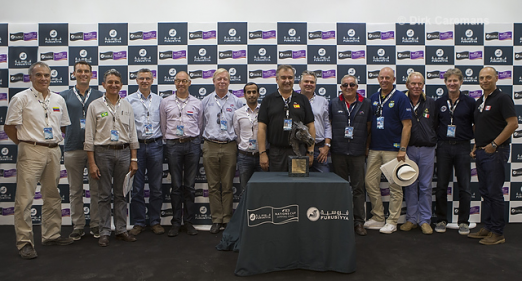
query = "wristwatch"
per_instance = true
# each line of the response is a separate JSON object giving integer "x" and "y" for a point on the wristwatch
{"x": 402, "y": 149}
{"x": 310, "y": 152}
{"x": 134, "y": 159}
{"x": 494, "y": 145}
{"x": 327, "y": 144}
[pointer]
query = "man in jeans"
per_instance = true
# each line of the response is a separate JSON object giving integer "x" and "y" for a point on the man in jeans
{"x": 181, "y": 122}
{"x": 245, "y": 126}
{"x": 454, "y": 132}
{"x": 78, "y": 99}
{"x": 145, "y": 105}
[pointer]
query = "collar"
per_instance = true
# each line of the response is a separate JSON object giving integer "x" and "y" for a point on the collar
{"x": 422, "y": 97}
{"x": 360, "y": 98}
{"x": 141, "y": 96}
{"x": 40, "y": 94}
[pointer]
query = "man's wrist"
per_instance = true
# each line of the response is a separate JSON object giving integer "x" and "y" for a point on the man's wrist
{"x": 403, "y": 149}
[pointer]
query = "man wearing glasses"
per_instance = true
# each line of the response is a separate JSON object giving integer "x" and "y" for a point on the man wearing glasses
{"x": 323, "y": 130}
{"x": 495, "y": 121}
{"x": 277, "y": 113}
{"x": 145, "y": 105}
{"x": 390, "y": 134}
{"x": 351, "y": 118}
{"x": 181, "y": 122}
{"x": 220, "y": 148}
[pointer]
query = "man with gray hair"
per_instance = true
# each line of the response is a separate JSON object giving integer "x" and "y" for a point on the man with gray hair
{"x": 351, "y": 118}
{"x": 220, "y": 148}
{"x": 78, "y": 99}
{"x": 421, "y": 150}
{"x": 35, "y": 120}
{"x": 145, "y": 105}
{"x": 111, "y": 143}
{"x": 323, "y": 130}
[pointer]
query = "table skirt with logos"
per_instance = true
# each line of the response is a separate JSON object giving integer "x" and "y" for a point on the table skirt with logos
{"x": 284, "y": 223}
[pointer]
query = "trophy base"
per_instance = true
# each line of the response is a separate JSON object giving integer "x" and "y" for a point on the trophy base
{"x": 298, "y": 166}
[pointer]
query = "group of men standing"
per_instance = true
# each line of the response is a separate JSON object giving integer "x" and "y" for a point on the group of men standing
{"x": 114, "y": 136}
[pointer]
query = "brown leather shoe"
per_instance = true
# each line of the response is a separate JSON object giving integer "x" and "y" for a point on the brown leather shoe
{"x": 359, "y": 229}
{"x": 157, "y": 229}
{"x": 136, "y": 229}
{"x": 103, "y": 241}
{"x": 125, "y": 236}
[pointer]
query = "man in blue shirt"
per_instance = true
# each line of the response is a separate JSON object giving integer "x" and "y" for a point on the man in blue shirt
{"x": 390, "y": 134}
{"x": 323, "y": 130}
{"x": 220, "y": 148}
{"x": 78, "y": 99}
{"x": 454, "y": 132}
{"x": 145, "y": 105}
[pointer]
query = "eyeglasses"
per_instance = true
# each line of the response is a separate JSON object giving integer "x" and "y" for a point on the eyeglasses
{"x": 346, "y": 85}
{"x": 181, "y": 81}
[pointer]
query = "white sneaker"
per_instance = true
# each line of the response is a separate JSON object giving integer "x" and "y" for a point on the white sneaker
{"x": 373, "y": 224}
{"x": 388, "y": 228}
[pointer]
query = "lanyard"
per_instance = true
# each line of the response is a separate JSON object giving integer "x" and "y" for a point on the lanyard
{"x": 312, "y": 99}
{"x": 483, "y": 104}
{"x": 82, "y": 101}
{"x": 415, "y": 108}
{"x": 180, "y": 108}
{"x": 252, "y": 121}
{"x": 221, "y": 106}
{"x": 45, "y": 106}
{"x": 287, "y": 106}
{"x": 452, "y": 109}
{"x": 382, "y": 103}
{"x": 148, "y": 108}
{"x": 113, "y": 112}
{"x": 349, "y": 111}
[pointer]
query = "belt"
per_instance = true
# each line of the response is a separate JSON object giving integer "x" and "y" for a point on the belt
{"x": 253, "y": 154}
{"x": 321, "y": 143}
{"x": 116, "y": 146}
{"x": 181, "y": 140}
{"x": 145, "y": 141}
{"x": 218, "y": 141}
{"x": 50, "y": 145}
{"x": 453, "y": 142}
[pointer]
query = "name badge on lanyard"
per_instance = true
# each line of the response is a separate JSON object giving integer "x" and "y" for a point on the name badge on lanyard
{"x": 82, "y": 124}
{"x": 179, "y": 130}
{"x": 451, "y": 131}
{"x": 115, "y": 135}
{"x": 48, "y": 133}
{"x": 348, "y": 132}
{"x": 252, "y": 144}
{"x": 148, "y": 129}
{"x": 287, "y": 126}
{"x": 380, "y": 123}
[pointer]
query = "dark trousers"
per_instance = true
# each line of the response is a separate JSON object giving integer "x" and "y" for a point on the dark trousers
{"x": 278, "y": 157}
{"x": 451, "y": 155}
{"x": 491, "y": 176}
{"x": 351, "y": 168}
{"x": 247, "y": 165}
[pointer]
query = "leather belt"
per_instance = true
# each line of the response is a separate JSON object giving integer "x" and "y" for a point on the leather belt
{"x": 145, "y": 141}
{"x": 181, "y": 140}
{"x": 218, "y": 141}
{"x": 116, "y": 146}
{"x": 50, "y": 145}
{"x": 253, "y": 154}
{"x": 454, "y": 142}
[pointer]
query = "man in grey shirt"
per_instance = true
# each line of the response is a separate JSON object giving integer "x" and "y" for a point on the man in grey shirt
{"x": 111, "y": 143}
{"x": 78, "y": 99}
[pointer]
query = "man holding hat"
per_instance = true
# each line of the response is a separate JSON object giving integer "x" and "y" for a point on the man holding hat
{"x": 421, "y": 149}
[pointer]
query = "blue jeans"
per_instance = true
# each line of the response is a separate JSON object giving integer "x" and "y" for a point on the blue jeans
{"x": 418, "y": 194}
{"x": 183, "y": 159}
{"x": 247, "y": 166}
{"x": 451, "y": 155}
{"x": 150, "y": 158}
{"x": 319, "y": 167}
{"x": 490, "y": 172}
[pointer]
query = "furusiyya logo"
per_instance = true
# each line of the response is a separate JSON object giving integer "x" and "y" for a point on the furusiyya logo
{"x": 292, "y": 36}
{"x": 314, "y": 214}
{"x": 351, "y": 37}
{"x": 232, "y": 37}
{"x": 410, "y": 37}
{"x": 53, "y": 38}
{"x": 469, "y": 37}
{"x": 273, "y": 215}
{"x": 172, "y": 36}
{"x": 114, "y": 37}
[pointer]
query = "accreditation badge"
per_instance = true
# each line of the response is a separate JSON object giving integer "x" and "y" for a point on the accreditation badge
{"x": 252, "y": 144}
{"x": 287, "y": 125}
{"x": 148, "y": 129}
{"x": 179, "y": 130}
{"x": 82, "y": 124}
{"x": 48, "y": 133}
{"x": 380, "y": 123}
{"x": 348, "y": 132}
{"x": 223, "y": 125}
{"x": 451, "y": 131}
{"x": 115, "y": 135}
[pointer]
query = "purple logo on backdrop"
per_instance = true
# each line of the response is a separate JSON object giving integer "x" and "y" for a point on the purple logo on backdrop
{"x": 146, "y": 193}
{"x": 475, "y": 94}
{"x": 238, "y": 93}
{"x": 9, "y": 173}
{"x": 202, "y": 35}
{"x": 7, "y": 211}
{"x": 475, "y": 210}
{"x": 504, "y": 74}
{"x": 142, "y": 35}
{"x": 439, "y": 35}
{"x": 321, "y": 35}
{"x": 269, "y": 73}
{"x": 499, "y": 36}
{"x": 362, "y": 92}
{"x": 30, "y": 36}
{"x": 271, "y": 34}
{"x": 60, "y": 56}
{"x": 474, "y": 170}
{"x": 475, "y": 55}
{"x": 240, "y": 54}
{"x": 87, "y": 194}
{"x": 66, "y": 213}
{"x": 386, "y": 35}
{"x": 352, "y": 55}
{"x": 208, "y": 74}
{"x": 385, "y": 192}
{"x": 87, "y": 36}
{"x": 63, "y": 174}
{"x": 3, "y": 58}
{"x": 417, "y": 55}
{"x": 448, "y": 191}
{"x": 505, "y": 190}
{"x": 123, "y": 93}
{"x": 3, "y": 96}
{"x": 328, "y": 74}
{"x": 37, "y": 195}
{"x": 113, "y": 55}
{"x": 300, "y": 54}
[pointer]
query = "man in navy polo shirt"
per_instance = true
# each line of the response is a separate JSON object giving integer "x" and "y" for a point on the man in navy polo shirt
{"x": 454, "y": 132}
{"x": 495, "y": 121}
{"x": 390, "y": 134}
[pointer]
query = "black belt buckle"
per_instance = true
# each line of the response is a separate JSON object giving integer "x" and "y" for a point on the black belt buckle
{"x": 452, "y": 142}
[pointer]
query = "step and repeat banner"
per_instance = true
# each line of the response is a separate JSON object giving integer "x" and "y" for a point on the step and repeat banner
{"x": 251, "y": 52}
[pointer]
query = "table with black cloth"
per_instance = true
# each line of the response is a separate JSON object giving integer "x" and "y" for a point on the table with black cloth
{"x": 284, "y": 223}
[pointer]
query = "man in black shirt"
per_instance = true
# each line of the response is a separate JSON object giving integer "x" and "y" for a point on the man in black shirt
{"x": 454, "y": 132}
{"x": 495, "y": 121}
{"x": 277, "y": 113}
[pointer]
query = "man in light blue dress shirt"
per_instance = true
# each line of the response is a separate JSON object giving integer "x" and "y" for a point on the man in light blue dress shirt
{"x": 145, "y": 105}
{"x": 323, "y": 129}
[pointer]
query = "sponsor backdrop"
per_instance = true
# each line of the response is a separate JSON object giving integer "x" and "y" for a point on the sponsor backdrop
{"x": 251, "y": 52}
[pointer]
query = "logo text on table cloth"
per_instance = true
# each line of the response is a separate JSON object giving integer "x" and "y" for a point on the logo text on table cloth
{"x": 273, "y": 215}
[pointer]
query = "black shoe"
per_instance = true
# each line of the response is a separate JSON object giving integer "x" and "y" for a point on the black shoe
{"x": 174, "y": 231}
{"x": 104, "y": 241}
{"x": 61, "y": 241}
{"x": 214, "y": 229}
{"x": 125, "y": 236}
{"x": 190, "y": 229}
{"x": 27, "y": 252}
{"x": 359, "y": 229}
{"x": 224, "y": 226}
